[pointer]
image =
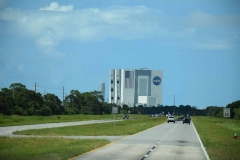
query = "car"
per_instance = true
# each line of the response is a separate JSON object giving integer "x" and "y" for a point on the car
{"x": 171, "y": 119}
{"x": 125, "y": 116}
{"x": 151, "y": 115}
{"x": 186, "y": 120}
{"x": 156, "y": 115}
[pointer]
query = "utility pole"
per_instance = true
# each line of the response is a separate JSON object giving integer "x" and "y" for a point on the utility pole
{"x": 174, "y": 99}
{"x": 35, "y": 87}
{"x": 63, "y": 96}
{"x": 174, "y": 104}
{"x": 13, "y": 91}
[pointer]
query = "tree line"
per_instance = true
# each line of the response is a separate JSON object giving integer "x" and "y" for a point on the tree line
{"x": 19, "y": 100}
{"x": 215, "y": 111}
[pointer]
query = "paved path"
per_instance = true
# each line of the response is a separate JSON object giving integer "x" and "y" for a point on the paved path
{"x": 7, "y": 131}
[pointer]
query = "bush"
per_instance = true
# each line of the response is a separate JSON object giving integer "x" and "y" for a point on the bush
{"x": 86, "y": 110}
{"x": 31, "y": 111}
{"x": 46, "y": 111}
{"x": 19, "y": 110}
{"x": 71, "y": 110}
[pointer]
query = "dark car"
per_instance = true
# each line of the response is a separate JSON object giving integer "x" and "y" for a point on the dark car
{"x": 186, "y": 120}
{"x": 125, "y": 116}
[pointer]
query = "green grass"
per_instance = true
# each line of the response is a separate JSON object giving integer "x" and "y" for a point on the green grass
{"x": 217, "y": 139}
{"x": 45, "y": 148}
{"x": 16, "y": 120}
{"x": 126, "y": 127}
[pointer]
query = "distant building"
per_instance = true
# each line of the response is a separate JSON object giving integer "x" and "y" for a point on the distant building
{"x": 103, "y": 90}
{"x": 136, "y": 87}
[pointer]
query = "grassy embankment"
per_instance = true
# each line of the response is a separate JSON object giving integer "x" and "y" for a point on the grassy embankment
{"x": 60, "y": 148}
{"x": 217, "y": 138}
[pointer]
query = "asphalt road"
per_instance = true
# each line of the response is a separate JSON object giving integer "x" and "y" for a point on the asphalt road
{"x": 168, "y": 141}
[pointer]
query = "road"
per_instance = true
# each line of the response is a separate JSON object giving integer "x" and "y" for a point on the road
{"x": 168, "y": 141}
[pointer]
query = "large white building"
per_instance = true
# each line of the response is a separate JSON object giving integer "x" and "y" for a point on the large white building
{"x": 136, "y": 87}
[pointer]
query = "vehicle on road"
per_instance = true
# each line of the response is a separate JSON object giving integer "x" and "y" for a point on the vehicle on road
{"x": 186, "y": 120}
{"x": 171, "y": 119}
{"x": 154, "y": 115}
{"x": 151, "y": 115}
{"x": 125, "y": 116}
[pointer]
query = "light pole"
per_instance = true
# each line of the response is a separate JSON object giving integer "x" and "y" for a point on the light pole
{"x": 156, "y": 101}
{"x": 174, "y": 104}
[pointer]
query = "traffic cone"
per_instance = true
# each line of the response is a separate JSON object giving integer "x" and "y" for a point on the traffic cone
{"x": 235, "y": 136}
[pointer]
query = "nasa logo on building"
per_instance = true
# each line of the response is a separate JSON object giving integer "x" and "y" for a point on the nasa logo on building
{"x": 156, "y": 80}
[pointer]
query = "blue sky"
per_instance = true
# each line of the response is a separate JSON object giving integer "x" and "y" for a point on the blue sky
{"x": 75, "y": 43}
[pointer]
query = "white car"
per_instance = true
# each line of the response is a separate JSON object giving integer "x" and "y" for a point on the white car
{"x": 171, "y": 119}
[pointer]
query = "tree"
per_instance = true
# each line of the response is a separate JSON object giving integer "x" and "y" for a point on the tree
{"x": 17, "y": 86}
{"x": 6, "y": 102}
{"x": 26, "y": 99}
{"x": 54, "y": 103}
{"x": 86, "y": 110}
{"x": 94, "y": 100}
{"x": 19, "y": 100}
{"x": 140, "y": 109}
{"x": 99, "y": 101}
{"x": 98, "y": 95}
{"x": 93, "y": 103}
{"x": 237, "y": 113}
{"x": 125, "y": 108}
{"x": 46, "y": 111}
{"x": 73, "y": 102}
{"x": 107, "y": 109}
{"x": 232, "y": 106}
{"x": 33, "y": 108}
{"x": 133, "y": 110}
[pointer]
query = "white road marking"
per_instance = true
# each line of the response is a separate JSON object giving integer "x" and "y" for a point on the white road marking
{"x": 160, "y": 142}
{"x": 202, "y": 146}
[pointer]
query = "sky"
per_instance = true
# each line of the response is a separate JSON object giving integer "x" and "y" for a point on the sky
{"x": 74, "y": 44}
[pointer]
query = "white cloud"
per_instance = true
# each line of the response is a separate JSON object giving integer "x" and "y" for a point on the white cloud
{"x": 49, "y": 29}
{"x": 212, "y": 32}
{"x": 46, "y": 42}
{"x": 54, "y": 6}
{"x": 93, "y": 24}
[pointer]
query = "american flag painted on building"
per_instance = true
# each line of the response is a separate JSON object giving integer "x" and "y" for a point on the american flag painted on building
{"x": 129, "y": 79}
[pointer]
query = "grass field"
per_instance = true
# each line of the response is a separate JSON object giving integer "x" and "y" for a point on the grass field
{"x": 217, "y": 139}
{"x": 45, "y": 148}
